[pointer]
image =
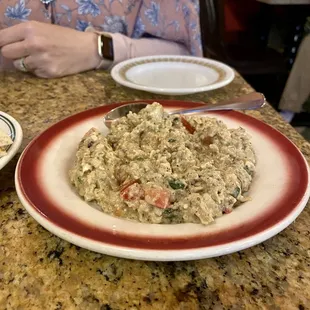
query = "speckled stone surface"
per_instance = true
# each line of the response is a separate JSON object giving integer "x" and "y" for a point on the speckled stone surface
{"x": 41, "y": 271}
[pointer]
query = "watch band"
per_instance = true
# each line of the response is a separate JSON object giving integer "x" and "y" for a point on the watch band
{"x": 105, "y": 51}
{"x": 105, "y": 48}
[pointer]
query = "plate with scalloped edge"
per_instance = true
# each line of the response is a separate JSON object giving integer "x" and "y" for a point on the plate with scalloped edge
{"x": 172, "y": 75}
{"x": 12, "y": 129}
{"x": 279, "y": 192}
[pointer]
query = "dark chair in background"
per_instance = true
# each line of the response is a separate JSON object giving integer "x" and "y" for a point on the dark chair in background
{"x": 249, "y": 54}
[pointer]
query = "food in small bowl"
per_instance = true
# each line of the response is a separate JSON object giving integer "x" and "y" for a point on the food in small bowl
{"x": 5, "y": 142}
{"x": 153, "y": 167}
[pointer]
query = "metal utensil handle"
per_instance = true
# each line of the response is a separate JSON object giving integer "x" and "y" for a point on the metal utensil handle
{"x": 247, "y": 102}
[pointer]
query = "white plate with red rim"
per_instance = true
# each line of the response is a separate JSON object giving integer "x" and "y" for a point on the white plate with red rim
{"x": 279, "y": 192}
{"x": 172, "y": 75}
{"x": 12, "y": 128}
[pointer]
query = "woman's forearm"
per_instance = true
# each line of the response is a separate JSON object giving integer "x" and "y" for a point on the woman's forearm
{"x": 126, "y": 48}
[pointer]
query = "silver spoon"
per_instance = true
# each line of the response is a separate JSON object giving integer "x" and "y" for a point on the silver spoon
{"x": 250, "y": 101}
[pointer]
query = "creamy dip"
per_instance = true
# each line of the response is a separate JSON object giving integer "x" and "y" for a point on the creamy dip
{"x": 5, "y": 142}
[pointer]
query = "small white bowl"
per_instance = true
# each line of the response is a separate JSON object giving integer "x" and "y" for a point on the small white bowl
{"x": 10, "y": 126}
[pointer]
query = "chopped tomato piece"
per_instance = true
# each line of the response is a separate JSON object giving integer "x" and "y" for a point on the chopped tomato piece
{"x": 227, "y": 211}
{"x": 132, "y": 190}
{"x": 187, "y": 125}
{"x": 127, "y": 184}
{"x": 157, "y": 197}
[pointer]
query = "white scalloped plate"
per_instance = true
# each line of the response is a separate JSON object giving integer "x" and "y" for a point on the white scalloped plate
{"x": 172, "y": 75}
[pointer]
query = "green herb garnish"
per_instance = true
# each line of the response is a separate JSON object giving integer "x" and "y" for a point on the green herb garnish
{"x": 170, "y": 213}
{"x": 236, "y": 192}
{"x": 247, "y": 169}
{"x": 175, "y": 121}
{"x": 176, "y": 184}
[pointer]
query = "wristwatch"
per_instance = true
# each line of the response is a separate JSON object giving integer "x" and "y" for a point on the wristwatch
{"x": 105, "y": 46}
{"x": 105, "y": 51}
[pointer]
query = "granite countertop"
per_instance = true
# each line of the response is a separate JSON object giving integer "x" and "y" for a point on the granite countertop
{"x": 40, "y": 271}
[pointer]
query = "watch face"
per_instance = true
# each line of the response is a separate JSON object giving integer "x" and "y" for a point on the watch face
{"x": 107, "y": 47}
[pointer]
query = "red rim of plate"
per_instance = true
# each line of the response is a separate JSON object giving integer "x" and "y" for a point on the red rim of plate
{"x": 29, "y": 183}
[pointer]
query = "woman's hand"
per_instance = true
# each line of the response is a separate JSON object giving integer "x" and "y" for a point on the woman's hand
{"x": 49, "y": 51}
